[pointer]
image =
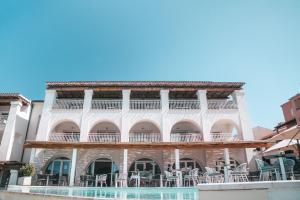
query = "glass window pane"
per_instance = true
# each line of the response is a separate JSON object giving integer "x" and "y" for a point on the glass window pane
{"x": 56, "y": 167}
{"x": 66, "y": 168}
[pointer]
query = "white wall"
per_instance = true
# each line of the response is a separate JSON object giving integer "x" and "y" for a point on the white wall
{"x": 34, "y": 121}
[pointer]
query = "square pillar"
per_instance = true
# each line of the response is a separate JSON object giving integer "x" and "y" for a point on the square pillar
{"x": 73, "y": 167}
{"x": 8, "y": 139}
{"x": 125, "y": 110}
{"x": 202, "y": 97}
{"x": 125, "y": 164}
{"x": 227, "y": 163}
{"x": 164, "y": 96}
{"x": 44, "y": 129}
{"x": 87, "y": 104}
{"x": 177, "y": 164}
{"x": 245, "y": 126}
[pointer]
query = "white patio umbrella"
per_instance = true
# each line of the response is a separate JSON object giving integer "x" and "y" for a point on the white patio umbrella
{"x": 281, "y": 144}
{"x": 291, "y": 133}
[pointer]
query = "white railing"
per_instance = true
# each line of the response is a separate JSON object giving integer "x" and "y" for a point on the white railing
{"x": 69, "y": 104}
{"x": 111, "y": 104}
{"x": 216, "y": 104}
{"x": 220, "y": 137}
{"x": 145, "y": 104}
{"x": 145, "y": 137}
{"x": 186, "y": 137}
{"x": 3, "y": 120}
{"x": 64, "y": 137}
{"x": 104, "y": 137}
{"x": 184, "y": 104}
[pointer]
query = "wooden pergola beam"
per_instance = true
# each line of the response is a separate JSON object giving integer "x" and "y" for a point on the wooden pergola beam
{"x": 161, "y": 145}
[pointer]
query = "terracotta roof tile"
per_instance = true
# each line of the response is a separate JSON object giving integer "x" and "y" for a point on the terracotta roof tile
{"x": 145, "y": 84}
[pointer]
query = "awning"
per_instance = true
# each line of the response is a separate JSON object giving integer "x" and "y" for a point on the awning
{"x": 158, "y": 145}
{"x": 291, "y": 133}
{"x": 281, "y": 144}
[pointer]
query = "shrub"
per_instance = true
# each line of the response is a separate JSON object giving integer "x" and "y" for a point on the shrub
{"x": 27, "y": 170}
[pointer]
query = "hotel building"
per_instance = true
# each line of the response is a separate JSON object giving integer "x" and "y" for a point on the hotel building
{"x": 119, "y": 127}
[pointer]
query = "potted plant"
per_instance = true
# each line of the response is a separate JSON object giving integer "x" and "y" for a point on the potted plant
{"x": 26, "y": 173}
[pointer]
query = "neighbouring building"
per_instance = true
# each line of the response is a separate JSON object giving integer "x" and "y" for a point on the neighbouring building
{"x": 14, "y": 116}
{"x": 288, "y": 129}
{"x": 122, "y": 126}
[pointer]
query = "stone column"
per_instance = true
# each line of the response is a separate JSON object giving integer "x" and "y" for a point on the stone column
{"x": 125, "y": 110}
{"x": 84, "y": 126}
{"x": 8, "y": 138}
{"x": 164, "y": 96}
{"x": 73, "y": 167}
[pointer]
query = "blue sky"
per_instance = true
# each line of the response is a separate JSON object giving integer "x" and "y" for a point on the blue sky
{"x": 255, "y": 41}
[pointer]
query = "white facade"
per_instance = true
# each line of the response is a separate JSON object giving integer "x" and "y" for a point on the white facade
{"x": 164, "y": 119}
{"x": 13, "y": 130}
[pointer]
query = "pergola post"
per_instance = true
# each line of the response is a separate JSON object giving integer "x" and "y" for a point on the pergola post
{"x": 125, "y": 163}
{"x": 226, "y": 167}
{"x": 177, "y": 167}
{"x": 73, "y": 166}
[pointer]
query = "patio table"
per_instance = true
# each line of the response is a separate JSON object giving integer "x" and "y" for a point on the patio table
{"x": 281, "y": 164}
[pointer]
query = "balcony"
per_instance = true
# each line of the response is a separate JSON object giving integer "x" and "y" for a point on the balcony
{"x": 68, "y": 104}
{"x": 223, "y": 137}
{"x": 113, "y": 104}
{"x": 104, "y": 137}
{"x": 3, "y": 120}
{"x": 145, "y": 104}
{"x": 64, "y": 137}
{"x": 145, "y": 137}
{"x": 186, "y": 137}
{"x": 184, "y": 104}
{"x": 216, "y": 104}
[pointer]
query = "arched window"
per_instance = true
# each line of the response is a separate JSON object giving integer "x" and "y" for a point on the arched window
{"x": 59, "y": 167}
{"x": 103, "y": 166}
{"x": 188, "y": 163}
{"x": 145, "y": 164}
{"x": 220, "y": 163}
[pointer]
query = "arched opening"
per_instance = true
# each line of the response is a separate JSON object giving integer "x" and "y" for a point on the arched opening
{"x": 103, "y": 166}
{"x": 65, "y": 131}
{"x": 185, "y": 131}
{"x": 104, "y": 132}
{"x": 148, "y": 170}
{"x": 186, "y": 163}
{"x": 144, "y": 132}
{"x": 220, "y": 163}
{"x": 59, "y": 168}
{"x": 225, "y": 130}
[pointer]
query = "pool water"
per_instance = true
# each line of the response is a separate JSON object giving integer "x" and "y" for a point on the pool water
{"x": 117, "y": 193}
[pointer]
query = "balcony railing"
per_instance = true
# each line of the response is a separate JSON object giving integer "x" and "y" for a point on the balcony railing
{"x": 184, "y": 104}
{"x": 112, "y": 104}
{"x": 68, "y": 104}
{"x": 65, "y": 137}
{"x": 186, "y": 137}
{"x": 145, "y": 104}
{"x": 145, "y": 137}
{"x": 3, "y": 120}
{"x": 222, "y": 137}
{"x": 216, "y": 104}
{"x": 104, "y": 137}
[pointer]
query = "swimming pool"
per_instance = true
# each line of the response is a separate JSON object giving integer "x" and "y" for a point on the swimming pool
{"x": 113, "y": 193}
